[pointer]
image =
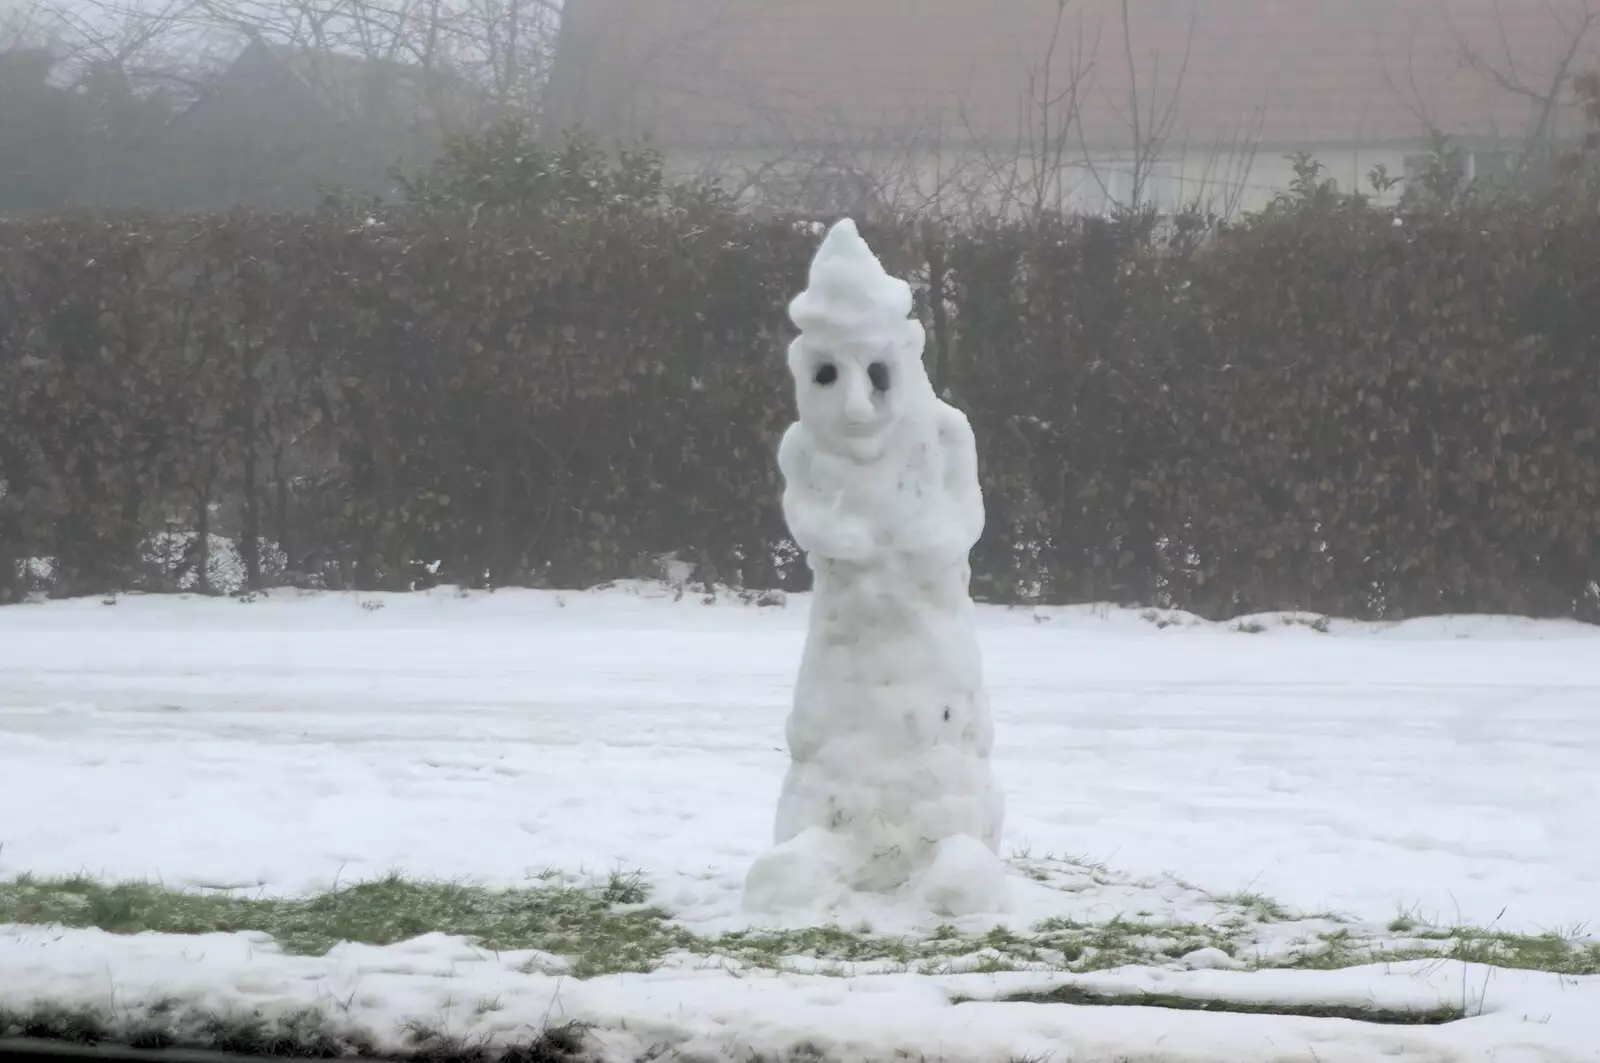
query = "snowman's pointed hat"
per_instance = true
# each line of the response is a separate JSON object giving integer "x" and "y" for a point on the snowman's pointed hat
{"x": 848, "y": 292}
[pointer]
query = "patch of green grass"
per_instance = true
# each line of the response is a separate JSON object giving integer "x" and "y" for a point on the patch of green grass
{"x": 1338, "y": 949}
{"x": 1560, "y": 953}
{"x": 1262, "y": 908}
{"x": 609, "y": 927}
{"x": 767, "y": 948}
{"x": 1055, "y": 944}
{"x": 601, "y": 929}
{"x": 1087, "y": 997}
{"x": 1553, "y": 953}
{"x": 1120, "y": 941}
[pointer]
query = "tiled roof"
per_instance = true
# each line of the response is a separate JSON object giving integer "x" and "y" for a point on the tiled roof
{"x": 1288, "y": 72}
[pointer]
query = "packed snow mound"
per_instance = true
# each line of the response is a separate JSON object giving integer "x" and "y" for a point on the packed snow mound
{"x": 182, "y": 985}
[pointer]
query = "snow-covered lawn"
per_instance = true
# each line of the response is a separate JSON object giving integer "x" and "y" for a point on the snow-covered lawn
{"x": 1277, "y": 801}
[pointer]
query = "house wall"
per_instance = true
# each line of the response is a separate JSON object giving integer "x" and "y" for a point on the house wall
{"x": 835, "y": 180}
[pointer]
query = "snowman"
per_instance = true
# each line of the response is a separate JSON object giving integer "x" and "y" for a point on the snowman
{"x": 889, "y": 788}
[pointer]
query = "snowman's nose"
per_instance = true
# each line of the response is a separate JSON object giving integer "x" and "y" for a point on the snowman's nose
{"x": 858, "y": 407}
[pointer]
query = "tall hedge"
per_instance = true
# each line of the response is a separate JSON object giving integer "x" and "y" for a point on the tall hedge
{"x": 1350, "y": 412}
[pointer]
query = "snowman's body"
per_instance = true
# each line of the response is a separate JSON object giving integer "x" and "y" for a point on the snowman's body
{"x": 889, "y": 784}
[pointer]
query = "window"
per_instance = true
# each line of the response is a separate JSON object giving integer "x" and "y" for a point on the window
{"x": 1163, "y": 186}
{"x": 1489, "y": 165}
{"x": 1473, "y": 165}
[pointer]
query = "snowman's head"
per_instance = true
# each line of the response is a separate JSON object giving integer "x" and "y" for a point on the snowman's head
{"x": 857, "y": 363}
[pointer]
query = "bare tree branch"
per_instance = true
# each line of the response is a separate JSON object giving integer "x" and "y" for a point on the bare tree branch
{"x": 1547, "y": 96}
{"x": 1033, "y": 174}
{"x": 1149, "y": 118}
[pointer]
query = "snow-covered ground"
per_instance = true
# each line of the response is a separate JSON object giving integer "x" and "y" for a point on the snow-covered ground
{"x": 1443, "y": 767}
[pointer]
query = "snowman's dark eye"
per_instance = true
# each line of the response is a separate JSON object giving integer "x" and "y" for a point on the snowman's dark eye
{"x": 878, "y": 373}
{"x": 827, "y": 373}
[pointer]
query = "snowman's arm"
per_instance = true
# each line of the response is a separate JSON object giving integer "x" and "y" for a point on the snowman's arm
{"x": 950, "y": 528}
{"x": 813, "y": 514}
{"x": 961, "y": 474}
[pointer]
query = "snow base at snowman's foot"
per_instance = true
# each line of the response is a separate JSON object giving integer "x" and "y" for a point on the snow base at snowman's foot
{"x": 820, "y": 869}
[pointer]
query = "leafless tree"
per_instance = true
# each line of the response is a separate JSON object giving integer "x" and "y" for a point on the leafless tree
{"x": 1056, "y": 152}
{"x": 1035, "y": 175}
{"x": 19, "y": 27}
{"x": 513, "y": 43}
{"x": 468, "y": 60}
{"x": 126, "y": 67}
{"x": 1548, "y": 89}
{"x": 139, "y": 42}
{"x": 1550, "y": 95}
{"x": 824, "y": 168}
{"x": 934, "y": 167}
{"x": 1149, "y": 118}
